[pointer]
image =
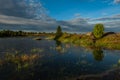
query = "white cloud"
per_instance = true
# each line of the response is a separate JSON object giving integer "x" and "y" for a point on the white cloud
{"x": 111, "y": 23}
{"x": 33, "y": 17}
{"x": 79, "y": 24}
{"x": 107, "y": 19}
{"x": 31, "y": 9}
{"x": 104, "y": 14}
{"x": 10, "y": 22}
{"x": 16, "y": 20}
{"x": 77, "y": 15}
{"x": 116, "y": 1}
{"x": 13, "y": 8}
{"x": 75, "y": 25}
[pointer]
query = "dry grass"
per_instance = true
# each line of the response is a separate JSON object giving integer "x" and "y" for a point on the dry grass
{"x": 19, "y": 61}
{"x": 111, "y": 41}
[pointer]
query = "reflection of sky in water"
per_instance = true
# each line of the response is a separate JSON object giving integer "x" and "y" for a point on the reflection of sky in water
{"x": 61, "y": 60}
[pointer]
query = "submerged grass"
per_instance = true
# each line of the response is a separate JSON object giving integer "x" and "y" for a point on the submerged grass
{"x": 22, "y": 61}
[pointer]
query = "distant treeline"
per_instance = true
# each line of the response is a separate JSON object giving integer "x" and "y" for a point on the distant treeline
{"x": 9, "y": 33}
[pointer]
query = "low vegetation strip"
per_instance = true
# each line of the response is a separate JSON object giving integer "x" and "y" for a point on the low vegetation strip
{"x": 109, "y": 42}
{"x": 97, "y": 38}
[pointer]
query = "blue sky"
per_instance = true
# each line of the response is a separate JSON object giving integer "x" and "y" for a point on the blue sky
{"x": 69, "y": 9}
{"x": 71, "y": 15}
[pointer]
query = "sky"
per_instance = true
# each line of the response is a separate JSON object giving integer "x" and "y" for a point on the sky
{"x": 72, "y": 15}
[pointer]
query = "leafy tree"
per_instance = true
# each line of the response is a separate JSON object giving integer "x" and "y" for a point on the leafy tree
{"x": 58, "y": 33}
{"x": 98, "y": 30}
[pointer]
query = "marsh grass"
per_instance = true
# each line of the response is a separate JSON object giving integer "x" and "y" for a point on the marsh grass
{"x": 22, "y": 61}
{"x": 78, "y": 39}
{"x": 111, "y": 41}
{"x": 37, "y": 50}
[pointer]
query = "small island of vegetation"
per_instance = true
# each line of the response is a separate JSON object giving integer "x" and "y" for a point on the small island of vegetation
{"x": 96, "y": 38}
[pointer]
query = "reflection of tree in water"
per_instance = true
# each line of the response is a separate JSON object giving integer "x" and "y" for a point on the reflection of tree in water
{"x": 58, "y": 43}
{"x": 98, "y": 54}
{"x": 59, "y": 46}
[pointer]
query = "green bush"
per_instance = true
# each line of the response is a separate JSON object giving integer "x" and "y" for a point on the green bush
{"x": 98, "y": 30}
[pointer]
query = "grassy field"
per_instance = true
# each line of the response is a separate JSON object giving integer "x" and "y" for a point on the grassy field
{"x": 110, "y": 41}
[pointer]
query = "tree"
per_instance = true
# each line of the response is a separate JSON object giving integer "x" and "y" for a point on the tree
{"x": 58, "y": 33}
{"x": 98, "y": 30}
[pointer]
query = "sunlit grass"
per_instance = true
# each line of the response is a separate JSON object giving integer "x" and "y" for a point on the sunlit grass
{"x": 111, "y": 41}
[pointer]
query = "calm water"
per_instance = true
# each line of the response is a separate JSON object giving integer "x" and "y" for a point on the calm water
{"x": 29, "y": 59}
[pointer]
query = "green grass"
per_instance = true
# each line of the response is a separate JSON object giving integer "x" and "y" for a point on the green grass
{"x": 111, "y": 41}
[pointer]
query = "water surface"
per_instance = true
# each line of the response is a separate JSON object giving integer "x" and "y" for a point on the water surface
{"x": 29, "y": 59}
